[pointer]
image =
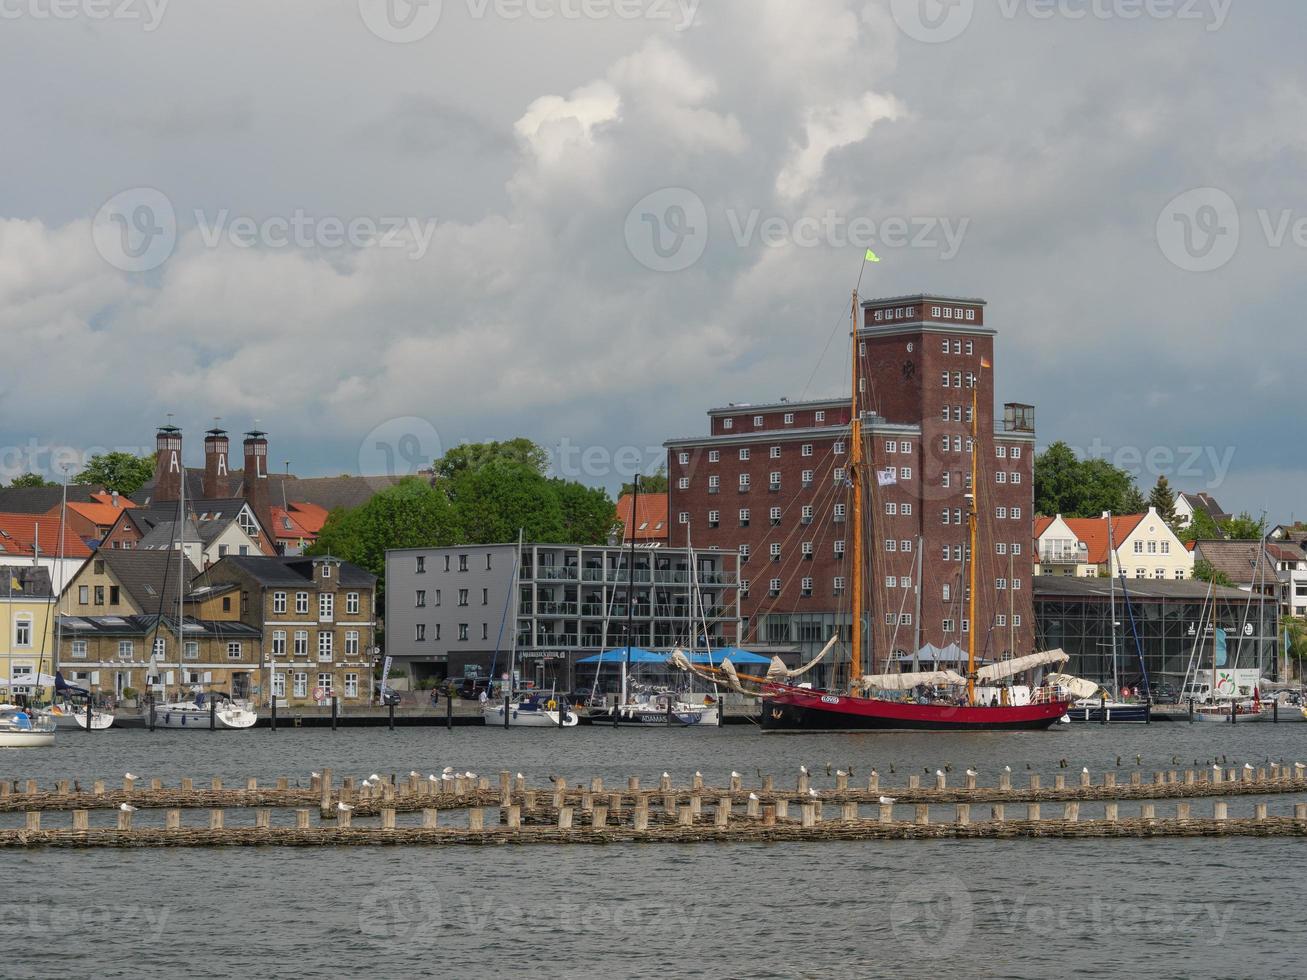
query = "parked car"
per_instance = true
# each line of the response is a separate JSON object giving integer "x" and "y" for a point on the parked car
{"x": 389, "y": 697}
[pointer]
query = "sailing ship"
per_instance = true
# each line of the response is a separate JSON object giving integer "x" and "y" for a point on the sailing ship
{"x": 790, "y": 706}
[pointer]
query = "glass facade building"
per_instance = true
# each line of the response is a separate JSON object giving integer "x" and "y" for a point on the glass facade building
{"x": 1173, "y": 622}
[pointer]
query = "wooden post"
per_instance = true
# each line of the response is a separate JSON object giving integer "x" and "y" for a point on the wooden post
{"x": 962, "y": 814}
{"x": 1059, "y": 781}
{"x": 633, "y": 784}
{"x": 344, "y": 819}
{"x": 1034, "y": 780}
{"x": 665, "y": 783}
{"x": 1032, "y": 811}
{"x": 262, "y": 818}
{"x": 32, "y": 788}
{"x": 1182, "y": 811}
{"x": 923, "y": 815}
{"x": 1071, "y": 813}
{"x": 971, "y": 780}
{"x": 1259, "y": 813}
{"x": 841, "y": 782}
{"x": 669, "y": 804}
{"x": 476, "y": 818}
{"x": 722, "y": 817}
{"x": 124, "y": 819}
{"x": 430, "y": 818}
{"x": 941, "y": 781}
{"x": 519, "y": 784}
{"x": 129, "y": 784}
{"x": 1247, "y": 775}
{"x": 1261, "y": 775}
{"x": 1109, "y": 779}
{"x": 34, "y": 820}
{"x": 1085, "y": 780}
{"x": 1220, "y": 810}
{"x": 283, "y": 783}
{"x": 1300, "y": 811}
{"x": 1148, "y": 811}
{"x": 808, "y": 814}
{"x": 1298, "y": 771}
{"x": 1005, "y": 780}
{"x": 597, "y": 784}
{"x": 1189, "y": 777}
{"x": 753, "y": 806}
{"x": 914, "y": 781}
{"x": 768, "y": 784}
{"x": 887, "y": 813}
{"x": 685, "y": 816}
{"x": 599, "y": 816}
{"x": 873, "y": 782}
{"x": 640, "y": 821}
{"x": 998, "y": 813}
{"x": 216, "y": 784}
{"x": 188, "y": 784}
{"x": 614, "y": 804}
{"x": 513, "y": 816}
{"x": 803, "y": 784}
{"x": 324, "y": 799}
{"x": 301, "y": 819}
{"x": 529, "y": 800}
{"x": 97, "y": 787}
{"x": 1110, "y": 812}
{"x": 81, "y": 820}
{"x": 696, "y": 781}
{"x": 587, "y": 801}
{"x": 782, "y": 809}
{"x": 769, "y": 815}
{"x": 388, "y": 818}
{"x": 215, "y": 819}
{"x": 172, "y": 819}
{"x": 61, "y": 787}
{"x": 696, "y": 805}
{"x": 1136, "y": 779}
{"x": 251, "y": 785}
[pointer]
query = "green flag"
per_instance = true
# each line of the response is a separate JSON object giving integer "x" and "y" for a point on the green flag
{"x": 872, "y": 256}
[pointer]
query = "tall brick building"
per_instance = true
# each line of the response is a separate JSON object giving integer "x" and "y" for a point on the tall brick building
{"x": 769, "y": 481}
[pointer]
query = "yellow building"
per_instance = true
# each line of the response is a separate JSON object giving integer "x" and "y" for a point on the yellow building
{"x": 26, "y": 633}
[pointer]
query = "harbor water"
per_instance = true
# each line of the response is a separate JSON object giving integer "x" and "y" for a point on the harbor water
{"x": 983, "y": 908}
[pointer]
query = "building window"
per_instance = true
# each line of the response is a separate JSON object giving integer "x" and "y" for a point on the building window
{"x": 351, "y": 603}
{"x": 683, "y": 517}
{"x": 805, "y": 586}
{"x": 891, "y": 446}
{"x": 744, "y": 482}
{"x": 838, "y": 474}
{"x": 838, "y": 449}
{"x": 774, "y": 587}
{"x": 1016, "y": 548}
{"x": 728, "y": 423}
{"x": 905, "y": 472}
{"x": 351, "y": 685}
{"x": 683, "y": 483}
{"x": 891, "y": 508}
{"x": 948, "y": 626}
{"x": 775, "y": 550}
{"x": 1016, "y": 585}
{"x": 714, "y": 518}
{"x": 744, "y": 454}
{"x": 421, "y": 564}
{"x": 714, "y": 482}
{"x": 79, "y": 648}
{"x": 300, "y": 685}
{"x": 806, "y": 478}
{"x": 744, "y": 588}
{"x": 1016, "y": 620}
{"x": 1000, "y": 584}
{"x": 947, "y": 592}
{"x": 905, "y": 546}
{"x": 757, "y": 421}
{"x": 684, "y": 459}
{"x": 278, "y": 685}
{"x": 1016, "y": 476}
{"x": 774, "y": 452}
{"x": 302, "y": 603}
{"x": 891, "y": 545}
{"x": 819, "y": 416}
{"x": 1001, "y": 513}
{"x": 279, "y": 643}
{"x": 99, "y": 595}
{"x": 326, "y": 606}
{"x": 775, "y": 516}
{"x": 325, "y": 682}
{"x": 301, "y": 643}
{"x": 462, "y": 631}
{"x": 124, "y": 649}
{"x": 462, "y": 563}
{"x": 1000, "y": 477}
{"x": 744, "y": 553}
{"x": 837, "y": 514}
{"x": 789, "y": 418}
{"x": 1000, "y": 620}
{"x": 1016, "y": 513}
{"x": 891, "y": 581}
{"x": 1016, "y": 452}
{"x": 805, "y": 449}
{"x": 233, "y": 651}
{"x": 714, "y": 455}
{"x": 1000, "y": 548}
{"x": 807, "y": 551}
{"x": 462, "y": 597}
{"x": 352, "y": 643}
{"x": 485, "y": 631}
{"x": 774, "y": 480}
{"x": 279, "y": 602}
{"x": 326, "y": 640}
{"x": 485, "y": 597}
{"x": 837, "y": 585}
{"x": 905, "y": 510}
{"x": 160, "y": 648}
{"x": 84, "y": 594}
{"x": 23, "y": 631}
{"x": 839, "y": 548}
{"x": 420, "y": 632}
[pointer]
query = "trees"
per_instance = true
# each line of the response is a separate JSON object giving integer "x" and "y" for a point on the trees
{"x": 655, "y": 482}
{"x": 493, "y": 502}
{"x": 1204, "y": 571}
{"x": 1162, "y": 500}
{"x": 1241, "y": 528}
{"x": 117, "y": 471}
{"x": 475, "y": 455}
{"x": 31, "y": 480}
{"x": 589, "y": 516}
{"x": 1067, "y": 485}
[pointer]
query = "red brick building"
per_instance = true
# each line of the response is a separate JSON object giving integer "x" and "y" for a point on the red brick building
{"x": 770, "y": 481}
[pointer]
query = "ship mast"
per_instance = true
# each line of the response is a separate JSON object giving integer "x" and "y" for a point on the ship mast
{"x": 855, "y": 480}
{"x": 971, "y": 571}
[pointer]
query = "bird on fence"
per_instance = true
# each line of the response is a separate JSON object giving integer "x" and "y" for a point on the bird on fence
{"x": 126, "y": 808}
{"x": 753, "y": 796}
{"x": 433, "y": 778}
{"x": 888, "y": 800}
{"x": 471, "y": 775}
{"x": 666, "y": 774}
{"x": 519, "y": 776}
{"x": 813, "y": 793}
{"x": 1084, "y": 771}
{"x": 939, "y": 772}
{"x": 840, "y": 772}
{"x": 803, "y": 769}
{"x": 1139, "y": 760}
{"x": 1007, "y": 768}
{"x": 315, "y": 775}
{"x": 1248, "y": 766}
{"x": 448, "y": 770}
{"x": 343, "y": 807}
{"x": 413, "y": 773}
{"x": 128, "y": 775}
{"x": 375, "y": 778}
{"x": 972, "y": 772}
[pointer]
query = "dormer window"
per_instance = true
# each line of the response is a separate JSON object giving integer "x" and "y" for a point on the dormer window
{"x": 326, "y": 570}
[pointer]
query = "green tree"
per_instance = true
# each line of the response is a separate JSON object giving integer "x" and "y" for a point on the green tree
{"x": 493, "y": 502}
{"x": 1244, "y": 528}
{"x": 410, "y": 514}
{"x": 123, "y": 472}
{"x": 589, "y": 515}
{"x": 1067, "y": 485}
{"x": 476, "y": 455}
{"x": 31, "y": 480}
{"x": 1201, "y": 527}
{"x": 655, "y": 482}
{"x": 1204, "y": 571}
{"x": 1162, "y": 499}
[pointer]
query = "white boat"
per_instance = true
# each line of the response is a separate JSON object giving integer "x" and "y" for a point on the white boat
{"x": 195, "y": 715}
{"x": 70, "y": 715}
{"x": 655, "y": 709}
{"x": 529, "y": 712}
{"x": 20, "y": 730}
{"x": 1244, "y": 711}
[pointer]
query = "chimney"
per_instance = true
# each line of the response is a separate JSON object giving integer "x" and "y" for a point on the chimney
{"x": 167, "y": 465}
{"x": 256, "y": 475}
{"x": 216, "y": 472}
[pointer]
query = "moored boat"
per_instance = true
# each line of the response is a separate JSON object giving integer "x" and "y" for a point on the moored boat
{"x": 196, "y": 714}
{"x": 530, "y": 712}
{"x": 21, "y": 729}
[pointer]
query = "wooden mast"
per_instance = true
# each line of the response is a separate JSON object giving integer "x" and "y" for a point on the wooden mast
{"x": 972, "y": 520}
{"x": 855, "y": 480}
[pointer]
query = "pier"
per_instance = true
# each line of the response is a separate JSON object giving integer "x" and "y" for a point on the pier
{"x": 471, "y": 810}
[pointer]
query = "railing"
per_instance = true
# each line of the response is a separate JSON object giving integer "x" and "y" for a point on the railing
{"x": 557, "y": 609}
{"x": 1064, "y": 554}
{"x": 592, "y": 574}
{"x": 552, "y": 573}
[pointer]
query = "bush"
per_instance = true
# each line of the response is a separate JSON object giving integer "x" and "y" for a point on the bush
{"x": 129, "y": 693}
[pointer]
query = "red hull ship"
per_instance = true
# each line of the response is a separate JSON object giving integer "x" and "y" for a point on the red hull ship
{"x": 801, "y": 709}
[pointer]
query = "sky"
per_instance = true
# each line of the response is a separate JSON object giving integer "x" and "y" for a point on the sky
{"x": 379, "y": 228}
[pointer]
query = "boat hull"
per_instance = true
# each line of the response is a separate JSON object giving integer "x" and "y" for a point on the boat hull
{"x": 1116, "y": 714}
{"x": 817, "y": 711}
{"x": 519, "y": 718}
{"x": 26, "y": 740}
{"x": 636, "y": 716}
{"x": 191, "y": 717}
{"x": 70, "y": 717}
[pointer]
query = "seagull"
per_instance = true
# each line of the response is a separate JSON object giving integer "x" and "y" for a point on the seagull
{"x": 1085, "y": 771}
{"x": 126, "y": 807}
{"x": 1007, "y": 768}
{"x": 471, "y": 775}
{"x": 939, "y": 772}
{"x": 813, "y": 792}
{"x": 413, "y": 772}
{"x": 972, "y": 772}
{"x": 666, "y": 775}
{"x": 375, "y": 778}
{"x": 803, "y": 769}
{"x": 840, "y": 772}
{"x": 315, "y": 775}
{"x": 753, "y": 796}
{"x": 734, "y": 774}
{"x": 1217, "y": 768}
{"x": 1247, "y": 765}
{"x": 343, "y": 807}
{"x": 448, "y": 770}
{"x": 128, "y": 775}
{"x": 520, "y": 776}
{"x": 432, "y": 778}
{"x": 888, "y": 800}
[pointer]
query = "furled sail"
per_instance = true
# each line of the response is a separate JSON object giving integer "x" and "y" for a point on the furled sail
{"x": 907, "y": 681}
{"x": 1010, "y": 668}
{"x": 1077, "y": 687}
{"x": 777, "y": 671}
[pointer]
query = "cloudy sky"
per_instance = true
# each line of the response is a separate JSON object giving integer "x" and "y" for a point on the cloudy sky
{"x": 379, "y": 228}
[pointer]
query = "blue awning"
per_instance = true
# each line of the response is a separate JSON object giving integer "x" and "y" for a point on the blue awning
{"x": 638, "y": 656}
{"x": 734, "y": 654}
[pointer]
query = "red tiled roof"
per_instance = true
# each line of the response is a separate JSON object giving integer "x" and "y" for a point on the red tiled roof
{"x": 102, "y": 514}
{"x": 651, "y": 517}
{"x": 305, "y": 520}
{"x": 19, "y": 533}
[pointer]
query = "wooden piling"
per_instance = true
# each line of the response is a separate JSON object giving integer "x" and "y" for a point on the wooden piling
{"x": 1071, "y": 812}
{"x": 1182, "y": 812}
{"x": 769, "y": 815}
{"x": 768, "y": 785}
{"x": 1034, "y": 780}
{"x": 172, "y": 819}
{"x": 1085, "y": 779}
{"x": 962, "y": 814}
{"x": 808, "y": 815}
{"x": 81, "y": 820}
{"x": 802, "y": 786}
{"x": 1110, "y": 812}
{"x": 430, "y": 818}
{"x": 782, "y": 809}
{"x": 849, "y": 812}
{"x": 887, "y": 813}
{"x": 914, "y": 781}
{"x": 998, "y": 813}
{"x": 1220, "y": 810}
{"x": 1059, "y": 781}
{"x": 215, "y": 819}
{"x": 633, "y": 784}
{"x": 640, "y": 817}
{"x": 124, "y": 820}
{"x": 1259, "y": 812}
{"x": 216, "y": 784}
{"x": 33, "y": 820}
{"x": 98, "y": 787}
{"x": 1032, "y": 812}
{"x": 512, "y": 816}
{"x": 599, "y": 816}
{"x": 722, "y": 817}
{"x": 262, "y": 818}
{"x": 753, "y": 806}
{"x": 841, "y": 782}
{"x": 923, "y": 815}
{"x": 1005, "y": 780}
{"x": 685, "y": 816}
{"x": 941, "y": 781}
{"x": 476, "y": 818}
{"x": 302, "y": 819}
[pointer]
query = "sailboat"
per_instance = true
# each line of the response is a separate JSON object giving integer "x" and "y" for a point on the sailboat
{"x": 532, "y": 709}
{"x": 788, "y": 706}
{"x": 203, "y": 709}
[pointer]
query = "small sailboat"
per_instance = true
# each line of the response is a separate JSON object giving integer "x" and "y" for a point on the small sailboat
{"x": 69, "y": 709}
{"x": 23, "y": 729}
{"x": 531, "y": 711}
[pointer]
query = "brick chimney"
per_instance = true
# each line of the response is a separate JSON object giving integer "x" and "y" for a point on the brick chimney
{"x": 216, "y": 472}
{"x": 256, "y": 475}
{"x": 167, "y": 465}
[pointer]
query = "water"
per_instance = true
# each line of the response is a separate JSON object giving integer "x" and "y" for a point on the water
{"x": 1173, "y": 908}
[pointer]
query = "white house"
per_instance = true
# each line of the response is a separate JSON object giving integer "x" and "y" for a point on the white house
{"x": 1141, "y": 544}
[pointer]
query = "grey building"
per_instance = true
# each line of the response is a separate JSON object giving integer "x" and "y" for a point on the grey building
{"x": 450, "y": 612}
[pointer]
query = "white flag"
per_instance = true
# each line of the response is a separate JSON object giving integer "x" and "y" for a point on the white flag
{"x": 887, "y": 477}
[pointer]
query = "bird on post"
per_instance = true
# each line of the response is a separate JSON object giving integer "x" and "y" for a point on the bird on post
{"x": 126, "y": 808}
{"x": 344, "y": 806}
{"x": 888, "y": 800}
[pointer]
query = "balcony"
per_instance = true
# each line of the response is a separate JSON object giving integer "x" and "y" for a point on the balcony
{"x": 774, "y": 488}
{"x": 550, "y": 573}
{"x": 592, "y": 575}
{"x": 806, "y": 519}
{"x": 1064, "y": 553}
